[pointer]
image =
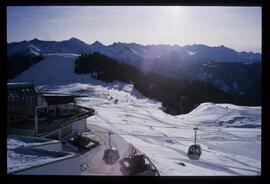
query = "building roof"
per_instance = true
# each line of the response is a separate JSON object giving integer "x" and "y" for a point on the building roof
{"x": 22, "y": 155}
{"x": 59, "y": 98}
{"x": 15, "y": 85}
{"x": 20, "y": 91}
{"x": 60, "y": 94}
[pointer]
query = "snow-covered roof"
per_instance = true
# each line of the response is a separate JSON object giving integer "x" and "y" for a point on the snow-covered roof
{"x": 21, "y": 153}
{"x": 19, "y": 84}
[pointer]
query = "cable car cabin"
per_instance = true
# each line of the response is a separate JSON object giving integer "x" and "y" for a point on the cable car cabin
{"x": 111, "y": 156}
{"x": 194, "y": 152}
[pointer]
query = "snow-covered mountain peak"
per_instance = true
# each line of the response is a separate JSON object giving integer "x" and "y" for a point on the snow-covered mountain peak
{"x": 132, "y": 52}
{"x": 74, "y": 40}
{"x": 35, "y": 40}
{"x": 97, "y": 44}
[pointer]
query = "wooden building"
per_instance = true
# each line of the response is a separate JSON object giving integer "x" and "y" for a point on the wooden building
{"x": 50, "y": 115}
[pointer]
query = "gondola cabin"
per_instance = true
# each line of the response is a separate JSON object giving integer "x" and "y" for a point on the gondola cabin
{"x": 194, "y": 151}
{"x": 111, "y": 155}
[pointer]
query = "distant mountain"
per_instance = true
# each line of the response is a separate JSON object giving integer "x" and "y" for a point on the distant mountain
{"x": 72, "y": 45}
{"x": 221, "y": 54}
{"x": 132, "y": 52}
{"x": 226, "y": 68}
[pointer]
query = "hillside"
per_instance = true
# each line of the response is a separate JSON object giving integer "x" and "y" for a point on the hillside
{"x": 226, "y": 147}
{"x": 226, "y": 132}
{"x": 177, "y": 97}
{"x": 231, "y": 71}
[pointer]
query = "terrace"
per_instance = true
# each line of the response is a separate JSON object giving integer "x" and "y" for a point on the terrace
{"x": 42, "y": 114}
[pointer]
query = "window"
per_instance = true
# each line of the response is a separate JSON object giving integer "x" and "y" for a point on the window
{"x": 51, "y": 110}
{"x": 42, "y": 112}
{"x": 65, "y": 108}
{"x": 58, "y": 109}
{"x": 71, "y": 107}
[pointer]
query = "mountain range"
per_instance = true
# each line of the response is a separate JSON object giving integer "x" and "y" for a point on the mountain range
{"x": 132, "y": 52}
{"x": 232, "y": 71}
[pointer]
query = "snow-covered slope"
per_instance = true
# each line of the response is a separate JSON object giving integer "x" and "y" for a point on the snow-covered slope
{"x": 230, "y": 136}
{"x": 54, "y": 69}
{"x": 186, "y": 62}
{"x": 227, "y": 115}
{"x": 227, "y": 150}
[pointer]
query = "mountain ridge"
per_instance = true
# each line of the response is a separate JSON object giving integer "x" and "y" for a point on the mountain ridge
{"x": 132, "y": 43}
{"x": 193, "y": 62}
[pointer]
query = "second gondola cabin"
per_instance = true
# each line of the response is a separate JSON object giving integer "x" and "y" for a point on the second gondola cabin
{"x": 195, "y": 150}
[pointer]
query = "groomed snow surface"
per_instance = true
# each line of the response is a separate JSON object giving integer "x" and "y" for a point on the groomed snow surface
{"x": 230, "y": 136}
{"x": 21, "y": 155}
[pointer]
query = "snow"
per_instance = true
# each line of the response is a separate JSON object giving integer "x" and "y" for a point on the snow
{"x": 92, "y": 162}
{"x": 225, "y": 114}
{"x": 134, "y": 51}
{"x": 34, "y": 50}
{"x": 131, "y": 52}
{"x": 55, "y": 68}
{"x": 165, "y": 138}
{"x": 20, "y": 155}
{"x": 191, "y": 53}
{"x": 230, "y": 135}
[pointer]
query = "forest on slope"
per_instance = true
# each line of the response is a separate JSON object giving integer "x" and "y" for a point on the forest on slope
{"x": 16, "y": 64}
{"x": 177, "y": 96}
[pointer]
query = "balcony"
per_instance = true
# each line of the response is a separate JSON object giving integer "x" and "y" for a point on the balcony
{"x": 50, "y": 124}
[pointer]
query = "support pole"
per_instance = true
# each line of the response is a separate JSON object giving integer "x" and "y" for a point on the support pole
{"x": 195, "y": 129}
{"x": 110, "y": 139}
{"x": 195, "y": 136}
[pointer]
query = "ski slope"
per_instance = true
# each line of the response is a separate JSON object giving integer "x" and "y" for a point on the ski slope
{"x": 230, "y": 136}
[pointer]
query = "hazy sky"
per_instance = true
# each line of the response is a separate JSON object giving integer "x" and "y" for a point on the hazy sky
{"x": 235, "y": 27}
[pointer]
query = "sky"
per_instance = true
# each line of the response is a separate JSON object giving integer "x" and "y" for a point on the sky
{"x": 236, "y": 27}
